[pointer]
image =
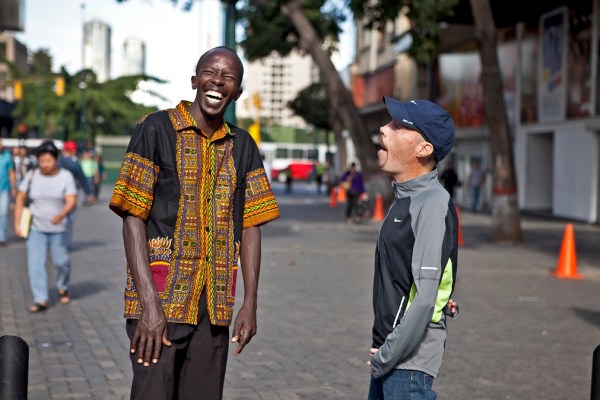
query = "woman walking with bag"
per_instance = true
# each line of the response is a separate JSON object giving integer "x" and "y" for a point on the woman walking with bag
{"x": 53, "y": 195}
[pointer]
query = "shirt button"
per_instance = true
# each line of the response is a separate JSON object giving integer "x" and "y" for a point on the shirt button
{"x": 207, "y": 258}
{"x": 207, "y": 229}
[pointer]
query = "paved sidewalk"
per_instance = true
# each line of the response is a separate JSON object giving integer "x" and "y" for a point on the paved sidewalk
{"x": 522, "y": 334}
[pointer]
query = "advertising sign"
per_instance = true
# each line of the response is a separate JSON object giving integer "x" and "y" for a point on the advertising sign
{"x": 552, "y": 71}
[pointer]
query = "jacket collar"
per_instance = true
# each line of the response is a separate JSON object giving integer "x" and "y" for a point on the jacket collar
{"x": 415, "y": 185}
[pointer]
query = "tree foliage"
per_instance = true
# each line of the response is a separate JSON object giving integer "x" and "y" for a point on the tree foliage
{"x": 86, "y": 109}
{"x": 312, "y": 106}
{"x": 268, "y": 30}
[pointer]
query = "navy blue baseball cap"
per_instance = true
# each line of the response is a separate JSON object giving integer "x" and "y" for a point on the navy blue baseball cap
{"x": 427, "y": 118}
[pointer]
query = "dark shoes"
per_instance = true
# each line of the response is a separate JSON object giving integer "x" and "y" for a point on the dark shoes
{"x": 63, "y": 298}
{"x": 38, "y": 307}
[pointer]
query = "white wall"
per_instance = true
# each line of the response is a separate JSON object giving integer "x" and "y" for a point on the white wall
{"x": 575, "y": 172}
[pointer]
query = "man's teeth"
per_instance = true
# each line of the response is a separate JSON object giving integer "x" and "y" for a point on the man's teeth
{"x": 215, "y": 95}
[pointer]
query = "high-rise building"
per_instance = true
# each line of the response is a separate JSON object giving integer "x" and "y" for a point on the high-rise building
{"x": 96, "y": 48}
{"x": 15, "y": 52}
{"x": 134, "y": 57}
{"x": 277, "y": 80}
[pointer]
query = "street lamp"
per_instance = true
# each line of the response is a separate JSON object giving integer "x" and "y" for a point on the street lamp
{"x": 82, "y": 87}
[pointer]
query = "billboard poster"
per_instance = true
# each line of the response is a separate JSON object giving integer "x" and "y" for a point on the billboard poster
{"x": 461, "y": 92}
{"x": 507, "y": 58}
{"x": 552, "y": 79}
{"x": 529, "y": 76}
{"x": 579, "y": 68}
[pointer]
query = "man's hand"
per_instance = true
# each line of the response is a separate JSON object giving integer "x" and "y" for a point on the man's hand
{"x": 372, "y": 353}
{"x": 244, "y": 328}
{"x": 150, "y": 334}
{"x": 452, "y": 309}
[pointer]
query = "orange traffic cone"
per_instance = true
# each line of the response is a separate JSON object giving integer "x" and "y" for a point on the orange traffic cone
{"x": 566, "y": 267}
{"x": 341, "y": 197}
{"x": 378, "y": 210}
{"x": 333, "y": 197}
{"x": 461, "y": 241}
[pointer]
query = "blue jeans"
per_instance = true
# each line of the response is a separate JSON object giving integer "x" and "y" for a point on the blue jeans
{"x": 475, "y": 198}
{"x": 4, "y": 206}
{"x": 37, "y": 248}
{"x": 402, "y": 384}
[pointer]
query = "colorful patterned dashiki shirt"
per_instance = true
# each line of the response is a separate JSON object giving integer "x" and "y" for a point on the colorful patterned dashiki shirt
{"x": 196, "y": 194}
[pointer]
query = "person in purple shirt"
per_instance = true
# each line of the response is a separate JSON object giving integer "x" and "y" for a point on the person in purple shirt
{"x": 353, "y": 180}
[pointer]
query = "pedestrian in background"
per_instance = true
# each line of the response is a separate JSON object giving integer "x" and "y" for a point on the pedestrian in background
{"x": 449, "y": 179}
{"x": 193, "y": 193}
{"x": 476, "y": 181}
{"x": 90, "y": 169}
{"x": 53, "y": 195}
{"x": 352, "y": 182}
{"x": 24, "y": 162}
{"x": 8, "y": 189}
{"x": 289, "y": 179}
{"x": 416, "y": 254}
{"x": 319, "y": 172}
{"x": 69, "y": 161}
{"x": 101, "y": 174}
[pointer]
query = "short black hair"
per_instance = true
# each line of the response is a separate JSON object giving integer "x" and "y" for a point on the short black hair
{"x": 204, "y": 56}
{"x": 47, "y": 147}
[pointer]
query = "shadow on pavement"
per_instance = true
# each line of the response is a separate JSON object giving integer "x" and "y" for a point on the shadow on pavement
{"x": 87, "y": 288}
{"x": 590, "y": 316}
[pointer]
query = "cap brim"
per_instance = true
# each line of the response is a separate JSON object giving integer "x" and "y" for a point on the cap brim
{"x": 399, "y": 112}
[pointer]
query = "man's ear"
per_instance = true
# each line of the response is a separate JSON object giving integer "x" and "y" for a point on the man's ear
{"x": 238, "y": 94}
{"x": 194, "y": 83}
{"x": 425, "y": 149}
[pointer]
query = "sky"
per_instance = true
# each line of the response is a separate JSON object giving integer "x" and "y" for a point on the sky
{"x": 172, "y": 37}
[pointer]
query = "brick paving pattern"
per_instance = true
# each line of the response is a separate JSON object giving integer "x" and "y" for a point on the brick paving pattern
{"x": 522, "y": 334}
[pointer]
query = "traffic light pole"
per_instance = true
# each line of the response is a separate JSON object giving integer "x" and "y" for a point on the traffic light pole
{"x": 230, "y": 20}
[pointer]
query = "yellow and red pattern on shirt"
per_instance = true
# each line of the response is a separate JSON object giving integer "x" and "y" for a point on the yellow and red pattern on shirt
{"x": 202, "y": 254}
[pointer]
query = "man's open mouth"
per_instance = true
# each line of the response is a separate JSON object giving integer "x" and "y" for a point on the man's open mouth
{"x": 214, "y": 96}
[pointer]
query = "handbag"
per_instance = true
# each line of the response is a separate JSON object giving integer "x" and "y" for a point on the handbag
{"x": 26, "y": 216}
{"x": 25, "y": 222}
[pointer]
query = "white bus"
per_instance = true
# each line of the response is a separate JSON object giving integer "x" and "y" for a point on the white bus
{"x": 299, "y": 157}
{"x": 31, "y": 144}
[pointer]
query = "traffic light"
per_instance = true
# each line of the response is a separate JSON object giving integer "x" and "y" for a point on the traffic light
{"x": 256, "y": 101}
{"x": 18, "y": 89}
{"x": 254, "y": 131}
{"x": 59, "y": 86}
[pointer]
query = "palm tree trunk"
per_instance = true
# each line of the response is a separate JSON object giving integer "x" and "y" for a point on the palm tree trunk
{"x": 340, "y": 99}
{"x": 506, "y": 222}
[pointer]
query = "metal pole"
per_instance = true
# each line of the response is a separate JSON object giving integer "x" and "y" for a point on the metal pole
{"x": 14, "y": 365}
{"x": 596, "y": 375}
{"x": 40, "y": 104}
{"x": 230, "y": 19}
{"x": 82, "y": 118}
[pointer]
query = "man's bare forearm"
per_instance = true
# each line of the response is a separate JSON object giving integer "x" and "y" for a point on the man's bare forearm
{"x": 136, "y": 253}
{"x": 250, "y": 257}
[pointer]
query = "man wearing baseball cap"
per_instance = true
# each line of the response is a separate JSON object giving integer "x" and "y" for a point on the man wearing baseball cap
{"x": 415, "y": 260}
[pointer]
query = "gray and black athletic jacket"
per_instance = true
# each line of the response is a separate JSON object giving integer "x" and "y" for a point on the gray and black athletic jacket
{"x": 415, "y": 271}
